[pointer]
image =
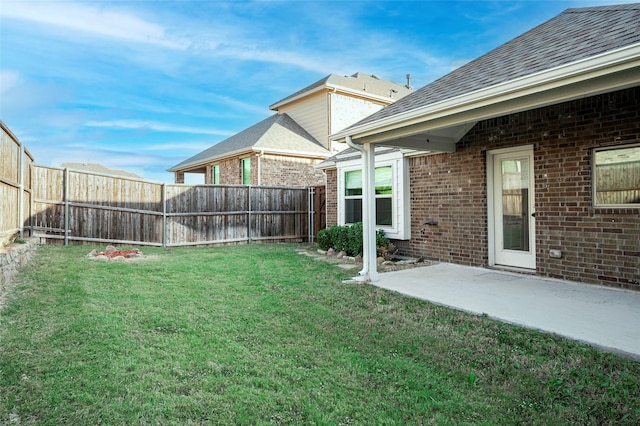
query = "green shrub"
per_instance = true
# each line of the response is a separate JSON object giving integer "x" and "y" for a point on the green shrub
{"x": 324, "y": 239}
{"x": 349, "y": 239}
{"x": 355, "y": 243}
{"x": 381, "y": 240}
{"x": 342, "y": 238}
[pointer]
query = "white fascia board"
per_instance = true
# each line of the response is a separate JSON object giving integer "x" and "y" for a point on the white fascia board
{"x": 333, "y": 88}
{"x": 209, "y": 160}
{"x": 291, "y": 153}
{"x": 408, "y": 153}
{"x": 618, "y": 60}
{"x": 325, "y": 165}
{"x": 287, "y": 101}
{"x": 362, "y": 93}
{"x": 219, "y": 158}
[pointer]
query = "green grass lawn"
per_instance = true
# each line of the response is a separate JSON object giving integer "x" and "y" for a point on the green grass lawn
{"x": 260, "y": 334}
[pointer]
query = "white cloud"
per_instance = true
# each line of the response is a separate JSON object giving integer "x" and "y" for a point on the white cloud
{"x": 157, "y": 127}
{"x": 301, "y": 60}
{"x": 8, "y": 80}
{"x": 199, "y": 146}
{"x": 245, "y": 106}
{"x": 92, "y": 20}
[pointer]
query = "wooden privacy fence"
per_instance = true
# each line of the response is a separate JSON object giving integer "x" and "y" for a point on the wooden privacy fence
{"x": 75, "y": 205}
{"x": 618, "y": 183}
{"x": 16, "y": 165}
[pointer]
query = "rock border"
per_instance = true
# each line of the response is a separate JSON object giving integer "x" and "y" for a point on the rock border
{"x": 12, "y": 258}
{"x": 396, "y": 262}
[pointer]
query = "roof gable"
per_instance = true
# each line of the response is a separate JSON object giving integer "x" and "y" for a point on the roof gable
{"x": 278, "y": 133}
{"x": 573, "y": 35}
{"x": 360, "y": 82}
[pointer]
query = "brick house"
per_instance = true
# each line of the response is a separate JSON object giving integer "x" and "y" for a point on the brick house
{"x": 526, "y": 158}
{"x": 284, "y": 148}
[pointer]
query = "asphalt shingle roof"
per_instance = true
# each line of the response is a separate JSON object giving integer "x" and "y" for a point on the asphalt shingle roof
{"x": 279, "y": 132}
{"x": 573, "y": 35}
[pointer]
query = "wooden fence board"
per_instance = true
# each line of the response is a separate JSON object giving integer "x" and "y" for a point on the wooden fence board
{"x": 114, "y": 209}
{"x": 15, "y": 185}
{"x": 618, "y": 183}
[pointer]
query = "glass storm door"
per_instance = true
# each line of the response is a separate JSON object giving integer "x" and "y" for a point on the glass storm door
{"x": 513, "y": 209}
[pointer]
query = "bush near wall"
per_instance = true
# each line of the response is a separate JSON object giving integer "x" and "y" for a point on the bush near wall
{"x": 349, "y": 239}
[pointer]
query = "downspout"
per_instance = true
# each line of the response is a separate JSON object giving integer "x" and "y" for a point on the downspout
{"x": 369, "y": 270}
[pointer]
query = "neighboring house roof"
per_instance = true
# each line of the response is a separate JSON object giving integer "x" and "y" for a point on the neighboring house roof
{"x": 351, "y": 154}
{"x": 276, "y": 134}
{"x": 91, "y": 167}
{"x": 366, "y": 84}
{"x": 573, "y": 37}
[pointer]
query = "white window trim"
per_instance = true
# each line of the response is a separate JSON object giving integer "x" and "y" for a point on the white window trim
{"x": 401, "y": 228}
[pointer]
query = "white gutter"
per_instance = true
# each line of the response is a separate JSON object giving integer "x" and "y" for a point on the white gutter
{"x": 622, "y": 59}
{"x": 286, "y": 101}
{"x": 291, "y": 152}
{"x": 363, "y": 93}
{"x": 204, "y": 162}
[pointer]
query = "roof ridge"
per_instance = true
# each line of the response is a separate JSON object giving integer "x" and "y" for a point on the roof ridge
{"x": 611, "y": 7}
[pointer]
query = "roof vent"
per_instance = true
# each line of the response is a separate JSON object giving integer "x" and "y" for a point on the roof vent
{"x": 408, "y": 81}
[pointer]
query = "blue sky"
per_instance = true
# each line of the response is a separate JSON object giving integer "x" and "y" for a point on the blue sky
{"x": 143, "y": 85}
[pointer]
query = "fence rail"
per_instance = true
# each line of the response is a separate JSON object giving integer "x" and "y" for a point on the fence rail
{"x": 16, "y": 165}
{"x": 77, "y": 205}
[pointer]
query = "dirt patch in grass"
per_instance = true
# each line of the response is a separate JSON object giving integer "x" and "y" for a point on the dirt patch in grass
{"x": 112, "y": 254}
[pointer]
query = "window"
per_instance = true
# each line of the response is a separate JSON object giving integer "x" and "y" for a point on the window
{"x": 216, "y": 174}
{"x": 246, "y": 171}
{"x": 391, "y": 192}
{"x": 616, "y": 176}
{"x": 384, "y": 199}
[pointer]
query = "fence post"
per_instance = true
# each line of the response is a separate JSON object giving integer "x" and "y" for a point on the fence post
{"x": 311, "y": 221}
{"x": 65, "y": 189}
{"x": 21, "y": 191}
{"x": 248, "y": 214}
{"x": 164, "y": 215}
{"x": 31, "y": 196}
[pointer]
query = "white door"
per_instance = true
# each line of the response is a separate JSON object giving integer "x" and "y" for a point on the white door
{"x": 513, "y": 213}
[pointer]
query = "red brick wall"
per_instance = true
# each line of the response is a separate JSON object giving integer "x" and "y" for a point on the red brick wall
{"x": 275, "y": 171}
{"x": 283, "y": 171}
{"x": 599, "y": 245}
{"x": 332, "y": 197}
{"x": 231, "y": 171}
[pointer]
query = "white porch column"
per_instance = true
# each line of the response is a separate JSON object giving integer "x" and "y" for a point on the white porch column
{"x": 369, "y": 212}
{"x": 369, "y": 270}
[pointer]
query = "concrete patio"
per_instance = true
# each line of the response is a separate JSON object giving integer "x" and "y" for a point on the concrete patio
{"x": 603, "y": 317}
